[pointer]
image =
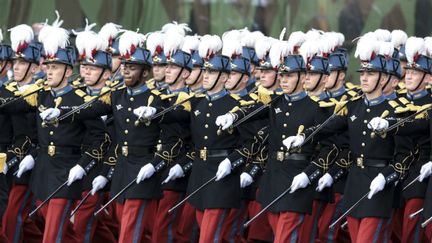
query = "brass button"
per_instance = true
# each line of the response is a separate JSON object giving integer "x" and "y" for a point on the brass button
{"x": 208, "y": 114}
{"x": 51, "y": 143}
{"x": 290, "y": 104}
{"x": 364, "y": 132}
{"x": 205, "y": 137}
{"x": 283, "y": 136}
{"x": 131, "y": 99}
{"x": 127, "y": 120}
{"x": 367, "y": 110}
{"x": 206, "y": 126}
{"x": 365, "y": 121}
{"x": 210, "y": 104}
{"x": 363, "y": 144}
{"x": 129, "y": 109}
{"x": 281, "y": 148}
{"x": 285, "y": 125}
{"x": 362, "y": 155}
{"x": 287, "y": 114}
{"x": 51, "y": 132}
{"x": 126, "y": 131}
{"x": 125, "y": 143}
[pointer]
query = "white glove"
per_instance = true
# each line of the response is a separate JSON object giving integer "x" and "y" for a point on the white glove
{"x": 293, "y": 141}
{"x": 300, "y": 181}
{"x": 245, "y": 180}
{"x": 325, "y": 181}
{"x": 98, "y": 183}
{"x": 376, "y": 185}
{"x": 225, "y": 121}
{"x": 5, "y": 169}
{"x": 425, "y": 171}
{"x": 378, "y": 124}
{"x": 50, "y": 114}
{"x": 175, "y": 172}
{"x": 146, "y": 172}
{"x": 25, "y": 165}
{"x": 144, "y": 111}
{"x": 76, "y": 173}
{"x": 224, "y": 169}
{"x": 104, "y": 118}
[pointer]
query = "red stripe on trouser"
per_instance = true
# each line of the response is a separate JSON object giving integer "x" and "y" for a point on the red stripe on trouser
{"x": 16, "y": 215}
{"x": 233, "y": 229}
{"x": 56, "y": 220}
{"x": 329, "y": 214}
{"x": 286, "y": 226}
{"x": 396, "y": 224}
{"x": 309, "y": 230}
{"x": 260, "y": 228}
{"x": 137, "y": 226}
{"x": 213, "y": 225}
{"x": 166, "y": 224}
{"x": 86, "y": 225}
{"x": 187, "y": 222}
{"x": 368, "y": 229}
{"x": 411, "y": 229}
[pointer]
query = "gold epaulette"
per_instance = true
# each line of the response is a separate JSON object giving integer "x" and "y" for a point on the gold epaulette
{"x": 398, "y": 107}
{"x": 84, "y": 95}
{"x": 241, "y": 101}
{"x": 156, "y": 92}
{"x": 254, "y": 96}
{"x": 182, "y": 96}
{"x": 151, "y": 83}
{"x": 351, "y": 86}
{"x": 264, "y": 95}
{"x": 106, "y": 98}
{"x": 112, "y": 83}
{"x": 423, "y": 109}
{"x": 77, "y": 83}
{"x": 11, "y": 86}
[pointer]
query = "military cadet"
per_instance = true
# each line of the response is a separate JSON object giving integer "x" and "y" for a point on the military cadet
{"x": 16, "y": 224}
{"x": 155, "y": 44}
{"x": 369, "y": 220}
{"x": 58, "y": 157}
{"x": 195, "y": 79}
{"x": 97, "y": 70}
{"x": 248, "y": 40}
{"x": 110, "y": 33}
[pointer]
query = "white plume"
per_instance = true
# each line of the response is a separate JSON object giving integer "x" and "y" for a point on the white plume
{"x": 313, "y": 34}
{"x": 209, "y": 45}
{"x": 231, "y": 43}
{"x": 181, "y": 29}
{"x": 383, "y": 35}
{"x": 249, "y": 39}
{"x": 155, "y": 42}
{"x": 414, "y": 46}
{"x": 282, "y": 34}
{"x": 386, "y": 49}
{"x": 191, "y": 43}
{"x": 309, "y": 49}
{"x": 367, "y": 48}
{"x": 277, "y": 52}
{"x": 80, "y": 41}
{"x": 58, "y": 22}
{"x": 1, "y": 35}
{"x": 428, "y": 46}
{"x": 130, "y": 40}
{"x": 262, "y": 46}
{"x": 296, "y": 39}
{"x": 398, "y": 38}
{"x": 109, "y": 31}
{"x": 20, "y": 36}
{"x": 173, "y": 42}
{"x": 57, "y": 37}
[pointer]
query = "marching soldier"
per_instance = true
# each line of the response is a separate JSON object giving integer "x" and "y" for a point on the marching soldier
{"x": 155, "y": 44}
{"x": 195, "y": 79}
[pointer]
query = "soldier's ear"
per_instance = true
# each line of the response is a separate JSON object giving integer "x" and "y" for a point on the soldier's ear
{"x": 106, "y": 74}
{"x": 33, "y": 68}
{"x": 145, "y": 73}
{"x": 342, "y": 75}
{"x": 69, "y": 71}
{"x": 185, "y": 73}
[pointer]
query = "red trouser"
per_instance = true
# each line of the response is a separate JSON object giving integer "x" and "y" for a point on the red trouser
{"x": 309, "y": 229}
{"x": 109, "y": 217}
{"x": 137, "y": 220}
{"x": 330, "y": 213}
{"x": 260, "y": 228}
{"x": 286, "y": 226}
{"x": 188, "y": 225}
{"x": 412, "y": 231}
{"x": 215, "y": 224}
{"x": 86, "y": 225}
{"x": 428, "y": 232}
{"x": 16, "y": 225}
{"x": 397, "y": 221}
{"x": 373, "y": 230}
{"x": 166, "y": 224}
{"x": 58, "y": 225}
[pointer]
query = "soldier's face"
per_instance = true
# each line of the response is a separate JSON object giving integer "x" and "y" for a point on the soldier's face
{"x": 234, "y": 79}
{"x": 4, "y": 67}
{"x": 333, "y": 78}
{"x": 413, "y": 78}
{"x": 368, "y": 81}
{"x": 93, "y": 75}
{"x": 210, "y": 77}
{"x": 57, "y": 73}
{"x": 172, "y": 73}
{"x": 312, "y": 80}
{"x": 133, "y": 74}
{"x": 290, "y": 82}
{"x": 195, "y": 76}
{"x": 116, "y": 62}
{"x": 158, "y": 72}
{"x": 268, "y": 78}
{"x": 23, "y": 70}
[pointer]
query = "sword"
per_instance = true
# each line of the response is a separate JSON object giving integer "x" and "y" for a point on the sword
{"x": 48, "y": 198}
{"x": 130, "y": 184}
{"x": 80, "y": 204}
{"x": 411, "y": 216}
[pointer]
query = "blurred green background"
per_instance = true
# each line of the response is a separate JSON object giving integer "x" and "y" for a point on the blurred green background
{"x": 351, "y": 17}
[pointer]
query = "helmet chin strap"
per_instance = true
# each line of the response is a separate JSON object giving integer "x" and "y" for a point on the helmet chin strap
{"x": 99, "y": 78}
{"x": 336, "y": 80}
{"x": 377, "y": 83}
{"x": 178, "y": 76}
{"x": 63, "y": 76}
{"x": 26, "y": 72}
{"x": 196, "y": 80}
{"x": 216, "y": 81}
{"x": 317, "y": 83}
{"x": 387, "y": 82}
{"x": 274, "y": 81}
{"x": 421, "y": 81}
{"x": 238, "y": 82}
